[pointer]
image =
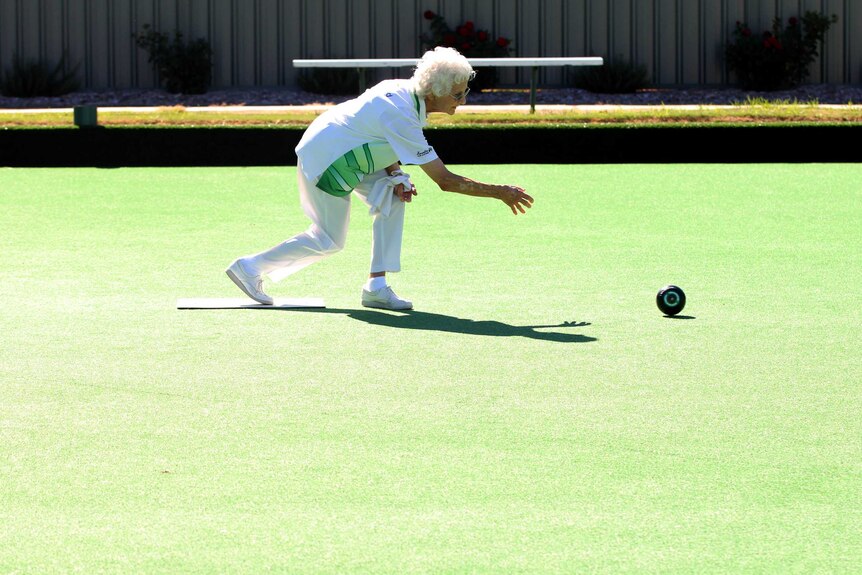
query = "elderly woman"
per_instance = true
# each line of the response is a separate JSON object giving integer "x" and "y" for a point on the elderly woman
{"x": 358, "y": 147}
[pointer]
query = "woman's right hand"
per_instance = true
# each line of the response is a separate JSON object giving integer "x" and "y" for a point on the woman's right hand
{"x": 516, "y": 198}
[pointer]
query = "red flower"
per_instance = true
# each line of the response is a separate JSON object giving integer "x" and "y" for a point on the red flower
{"x": 469, "y": 25}
{"x": 772, "y": 42}
{"x": 429, "y": 15}
{"x": 450, "y": 39}
{"x": 502, "y": 42}
{"x": 482, "y": 36}
{"x": 465, "y": 46}
{"x": 464, "y": 31}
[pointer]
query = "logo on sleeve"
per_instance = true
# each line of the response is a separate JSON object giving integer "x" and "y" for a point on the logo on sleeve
{"x": 424, "y": 152}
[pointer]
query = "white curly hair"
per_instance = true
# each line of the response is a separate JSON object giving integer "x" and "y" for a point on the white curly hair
{"x": 439, "y": 70}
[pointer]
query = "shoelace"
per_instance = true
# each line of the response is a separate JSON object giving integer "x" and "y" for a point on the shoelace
{"x": 392, "y": 296}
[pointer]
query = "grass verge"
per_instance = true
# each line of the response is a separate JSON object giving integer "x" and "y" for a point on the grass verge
{"x": 746, "y": 113}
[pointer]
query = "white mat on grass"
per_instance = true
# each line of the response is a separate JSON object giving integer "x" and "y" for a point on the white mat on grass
{"x": 242, "y": 303}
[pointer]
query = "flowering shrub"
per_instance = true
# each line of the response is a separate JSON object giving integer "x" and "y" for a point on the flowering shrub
{"x": 470, "y": 41}
{"x": 778, "y": 58}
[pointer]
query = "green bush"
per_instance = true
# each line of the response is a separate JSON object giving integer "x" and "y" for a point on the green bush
{"x": 615, "y": 77}
{"x": 332, "y": 81}
{"x": 185, "y": 68}
{"x": 32, "y": 79}
{"x": 778, "y": 58}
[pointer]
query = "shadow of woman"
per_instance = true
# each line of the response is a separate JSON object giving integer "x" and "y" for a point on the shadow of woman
{"x": 438, "y": 322}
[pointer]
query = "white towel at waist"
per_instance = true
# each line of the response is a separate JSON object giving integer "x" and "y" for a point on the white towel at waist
{"x": 380, "y": 197}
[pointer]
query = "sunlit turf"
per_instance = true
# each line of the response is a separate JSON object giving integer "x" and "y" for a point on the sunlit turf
{"x": 536, "y": 413}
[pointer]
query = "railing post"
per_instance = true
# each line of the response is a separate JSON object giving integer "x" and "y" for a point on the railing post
{"x": 361, "y": 74}
{"x": 534, "y": 80}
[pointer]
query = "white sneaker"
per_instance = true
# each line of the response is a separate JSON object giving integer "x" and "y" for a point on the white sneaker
{"x": 384, "y": 298}
{"x": 251, "y": 285}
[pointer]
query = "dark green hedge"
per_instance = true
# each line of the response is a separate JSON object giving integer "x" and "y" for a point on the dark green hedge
{"x": 112, "y": 147}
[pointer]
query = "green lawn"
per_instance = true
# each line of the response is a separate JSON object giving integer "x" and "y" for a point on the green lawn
{"x": 489, "y": 431}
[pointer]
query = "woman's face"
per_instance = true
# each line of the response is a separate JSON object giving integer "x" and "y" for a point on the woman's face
{"x": 447, "y": 104}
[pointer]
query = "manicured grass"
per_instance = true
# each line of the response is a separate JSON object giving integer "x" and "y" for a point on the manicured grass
{"x": 746, "y": 113}
{"x": 536, "y": 413}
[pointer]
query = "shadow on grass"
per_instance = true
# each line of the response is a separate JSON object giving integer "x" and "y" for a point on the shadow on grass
{"x": 438, "y": 322}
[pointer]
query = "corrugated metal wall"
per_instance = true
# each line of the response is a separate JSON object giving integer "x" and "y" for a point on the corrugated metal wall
{"x": 680, "y": 41}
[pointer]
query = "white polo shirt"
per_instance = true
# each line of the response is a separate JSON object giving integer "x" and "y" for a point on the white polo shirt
{"x": 375, "y": 130}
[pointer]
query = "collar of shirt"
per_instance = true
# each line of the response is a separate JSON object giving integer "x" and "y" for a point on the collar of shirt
{"x": 420, "y": 109}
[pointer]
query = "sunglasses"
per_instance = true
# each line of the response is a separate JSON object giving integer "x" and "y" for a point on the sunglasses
{"x": 462, "y": 95}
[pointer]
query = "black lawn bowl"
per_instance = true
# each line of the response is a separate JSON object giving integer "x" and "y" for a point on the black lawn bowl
{"x": 670, "y": 300}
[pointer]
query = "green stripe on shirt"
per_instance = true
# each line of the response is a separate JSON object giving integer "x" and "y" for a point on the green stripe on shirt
{"x": 367, "y": 149}
{"x": 345, "y": 173}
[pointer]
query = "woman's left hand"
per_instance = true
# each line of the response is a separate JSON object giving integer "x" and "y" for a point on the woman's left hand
{"x": 404, "y": 194}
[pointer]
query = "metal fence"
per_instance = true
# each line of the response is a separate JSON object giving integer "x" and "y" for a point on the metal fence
{"x": 681, "y": 42}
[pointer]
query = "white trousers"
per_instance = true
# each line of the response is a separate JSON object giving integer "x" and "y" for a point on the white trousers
{"x": 327, "y": 234}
